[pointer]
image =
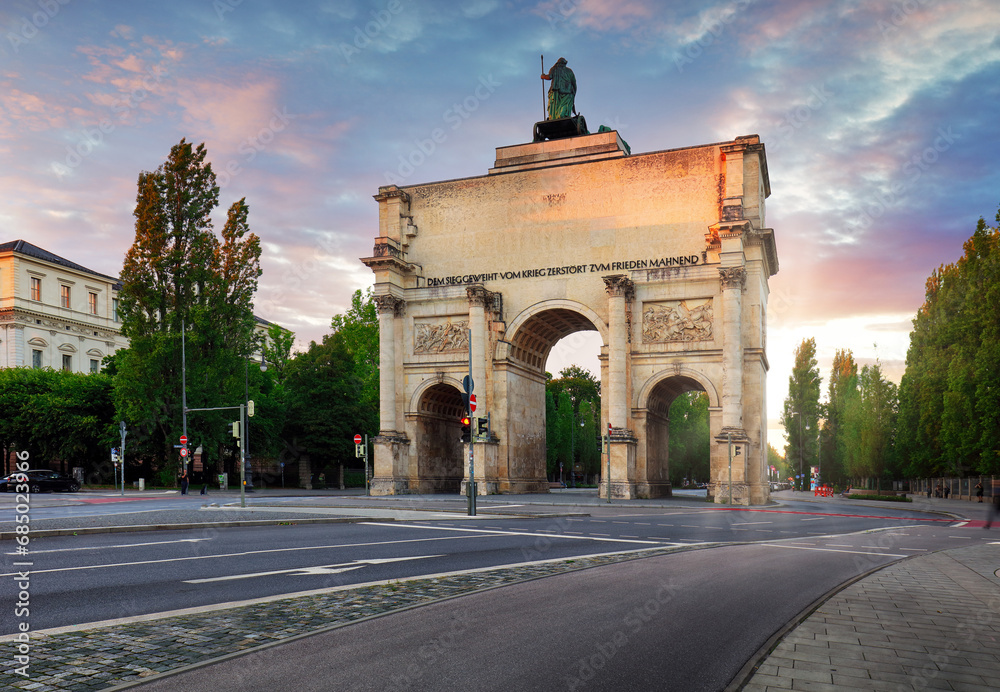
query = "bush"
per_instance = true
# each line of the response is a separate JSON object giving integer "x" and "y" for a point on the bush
{"x": 885, "y": 498}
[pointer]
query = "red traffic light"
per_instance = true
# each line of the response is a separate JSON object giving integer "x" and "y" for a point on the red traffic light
{"x": 466, "y": 420}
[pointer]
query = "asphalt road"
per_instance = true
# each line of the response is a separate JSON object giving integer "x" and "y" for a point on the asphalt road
{"x": 684, "y": 621}
{"x": 83, "y": 579}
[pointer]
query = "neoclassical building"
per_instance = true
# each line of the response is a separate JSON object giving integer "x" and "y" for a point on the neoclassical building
{"x": 54, "y": 312}
{"x": 666, "y": 255}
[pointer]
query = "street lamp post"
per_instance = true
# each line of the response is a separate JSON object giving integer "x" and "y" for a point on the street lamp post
{"x": 248, "y": 469}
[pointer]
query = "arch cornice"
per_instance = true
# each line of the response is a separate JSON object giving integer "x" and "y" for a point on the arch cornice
{"x": 642, "y": 399}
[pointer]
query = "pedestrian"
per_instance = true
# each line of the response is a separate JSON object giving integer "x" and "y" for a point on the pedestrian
{"x": 947, "y": 490}
{"x": 184, "y": 482}
{"x": 979, "y": 491}
{"x": 928, "y": 491}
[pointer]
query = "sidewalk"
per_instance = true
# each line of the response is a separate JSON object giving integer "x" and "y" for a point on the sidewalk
{"x": 927, "y": 622}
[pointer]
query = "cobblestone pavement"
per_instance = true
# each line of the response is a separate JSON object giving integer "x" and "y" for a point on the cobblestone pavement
{"x": 926, "y": 623}
{"x": 99, "y": 658}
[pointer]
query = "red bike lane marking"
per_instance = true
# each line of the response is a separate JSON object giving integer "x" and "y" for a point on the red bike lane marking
{"x": 105, "y": 500}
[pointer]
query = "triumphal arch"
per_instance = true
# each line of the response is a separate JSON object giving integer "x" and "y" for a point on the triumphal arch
{"x": 664, "y": 254}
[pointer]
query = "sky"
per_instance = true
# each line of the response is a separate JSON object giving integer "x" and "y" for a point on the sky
{"x": 879, "y": 121}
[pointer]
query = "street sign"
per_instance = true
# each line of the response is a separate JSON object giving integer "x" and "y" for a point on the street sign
{"x": 472, "y": 403}
{"x": 357, "y": 439}
{"x": 468, "y": 384}
{"x": 184, "y": 439}
{"x": 184, "y": 452}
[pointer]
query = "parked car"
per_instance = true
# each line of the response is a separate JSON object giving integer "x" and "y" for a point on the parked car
{"x": 39, "y": 481}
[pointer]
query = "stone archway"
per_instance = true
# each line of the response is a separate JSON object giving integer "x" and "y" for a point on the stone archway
{"x": 665, "y": 254}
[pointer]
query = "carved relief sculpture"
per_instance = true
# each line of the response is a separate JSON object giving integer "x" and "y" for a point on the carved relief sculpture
{"x": 441, "y": 338}
{"x": 677, "y": 320}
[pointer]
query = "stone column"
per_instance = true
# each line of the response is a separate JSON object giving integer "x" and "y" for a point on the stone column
{"x": 389, "y": 308}
{"x": 478, "y": 299}
{"x": 620, "y": 290}
{"x": 733, "y": 282}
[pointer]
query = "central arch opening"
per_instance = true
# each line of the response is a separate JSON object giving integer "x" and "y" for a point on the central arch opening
{"x": 440, "y": 440}
{"x": 677, "y": 450}
{"x": 560, "y": 387}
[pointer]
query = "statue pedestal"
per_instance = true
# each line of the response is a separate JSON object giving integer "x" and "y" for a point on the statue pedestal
{"x": 561, "y": 128}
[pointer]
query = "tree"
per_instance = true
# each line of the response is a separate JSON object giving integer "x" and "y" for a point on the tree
{"x": 690, "y": 443}
{"x": 358, "y": 329}
{"x": 325, "y": 409}
{"x": 802, "y": 410}
{"x": 277, "y": 350}
{"x": 842, "y": 386}
{"x": 176, "y": 273}
{"x": 870, "y": 422}
{"x": 63, "y": 419}
{"x": 565, "y": 438}
{"x": 949, "y": 397}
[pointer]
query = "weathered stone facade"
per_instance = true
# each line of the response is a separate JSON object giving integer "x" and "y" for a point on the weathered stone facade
{"x": 664, "y": 254}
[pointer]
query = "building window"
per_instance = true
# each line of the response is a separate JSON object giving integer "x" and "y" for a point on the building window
{"x": 92, "y": 302}
{"x": 94, "y": 365}
{"x": 67, "y": 362}
{"x": 114, "y": 309}
{"x": 64, "y": 296}
{"x": 36, "y": 289}
{"x": 36, "y": 358}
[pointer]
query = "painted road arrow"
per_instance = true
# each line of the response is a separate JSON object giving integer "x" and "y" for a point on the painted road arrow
{"x": 309, "y": 571}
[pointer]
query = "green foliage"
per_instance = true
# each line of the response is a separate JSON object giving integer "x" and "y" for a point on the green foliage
{"x": 572, "y": 412}
{"x": 176, "y": 273}
{"x": 949, "y": 397}
{"x": 277, "y": 350}
{"x": 325, "y": 407}
{"x": 359, "y": 332}
{"x": 690, "y": 441}
{"x": 63, "y": 419}
{"x": 802, "y": 409}
{"x": 870, "y": 426}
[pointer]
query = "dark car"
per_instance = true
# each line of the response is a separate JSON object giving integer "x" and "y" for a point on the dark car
{"x": 39, "y": 481}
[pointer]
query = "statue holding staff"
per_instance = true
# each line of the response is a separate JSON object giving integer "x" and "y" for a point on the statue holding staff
{"x": 562, "y": 91}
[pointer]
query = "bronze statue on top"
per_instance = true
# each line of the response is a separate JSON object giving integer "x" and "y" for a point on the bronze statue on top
{"x": 561, "y": 118}
{"x": 562, "y": 91}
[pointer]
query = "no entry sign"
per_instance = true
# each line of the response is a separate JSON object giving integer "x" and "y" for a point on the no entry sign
{"x": 184, "y": 439}
{"x": 357, "y": 439}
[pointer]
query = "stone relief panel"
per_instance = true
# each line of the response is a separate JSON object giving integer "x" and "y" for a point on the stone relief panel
{"x": 677, "y": 320}
{"x": 441, "y": 337}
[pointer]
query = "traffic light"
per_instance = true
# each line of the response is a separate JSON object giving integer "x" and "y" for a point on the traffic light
{"x": 234, "y": 429}
{"x": 482, "y": 427}
{"x": 738, "y": 452}
{"x": 466, "y": 429}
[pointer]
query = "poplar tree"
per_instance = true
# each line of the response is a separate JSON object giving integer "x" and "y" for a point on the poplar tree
{"x": 179, "y": 272}
{"x": 842, "y": 387}
{"x": 802, "y": 410}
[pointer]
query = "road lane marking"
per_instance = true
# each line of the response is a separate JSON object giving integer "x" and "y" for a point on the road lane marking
{"x": 750, "y": 523}
{"x": 124, "y": 545}
{"x": 827, "y": 550}
{"x": 814, "y": 519}
{"x": 249, "y": 552}
{"x": 503, "y": 533}
{"x": 312, "y": 571}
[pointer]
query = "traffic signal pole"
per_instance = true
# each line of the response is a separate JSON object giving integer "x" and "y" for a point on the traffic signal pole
{"x": 472, "y": 459}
